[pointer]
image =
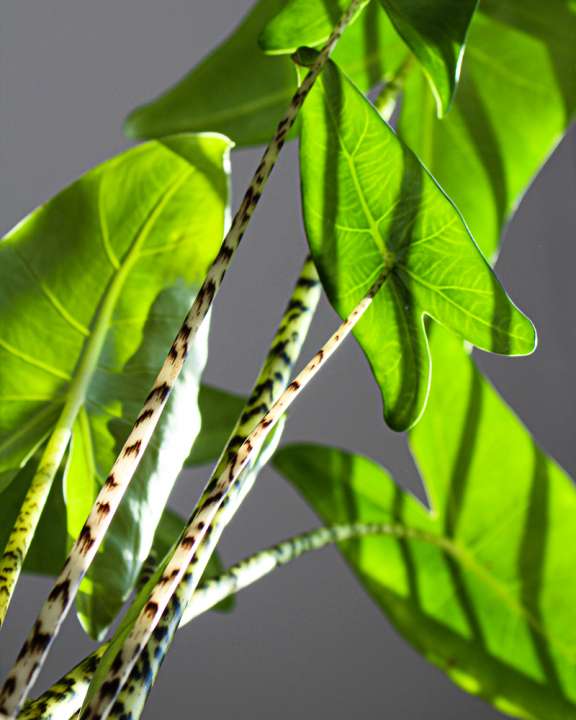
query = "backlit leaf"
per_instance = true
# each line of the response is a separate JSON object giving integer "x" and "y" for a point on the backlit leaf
{"x": 93, "y": 286}
{"x": 369, "y": 207}
{"x": 482, "y": 583}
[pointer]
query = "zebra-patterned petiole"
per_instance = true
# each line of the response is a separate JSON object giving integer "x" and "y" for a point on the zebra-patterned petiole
{"x": 203, "y": 516}
{"x": 269, "y": 386}
{"x": 62, "y": 700}
{"x": 34, "y": 651}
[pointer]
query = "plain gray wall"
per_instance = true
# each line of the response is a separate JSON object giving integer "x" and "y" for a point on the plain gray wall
{"x": 307, "y": 640}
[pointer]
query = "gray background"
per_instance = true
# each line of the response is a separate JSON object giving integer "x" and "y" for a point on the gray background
{"x": 306, "y": 640}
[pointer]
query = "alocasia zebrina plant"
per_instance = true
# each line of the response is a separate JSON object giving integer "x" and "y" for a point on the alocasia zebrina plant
{"x": 420, "y": 125}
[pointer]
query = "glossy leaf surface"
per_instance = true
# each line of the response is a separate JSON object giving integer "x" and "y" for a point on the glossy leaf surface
{"x": 93, "y": 286}
{"x": 482, "y": 584}
{"x": 434, "y": 30}
{"x": 240, "y": 91}
{"x": 370, "y": 207}
{"x": 517, "y": 96}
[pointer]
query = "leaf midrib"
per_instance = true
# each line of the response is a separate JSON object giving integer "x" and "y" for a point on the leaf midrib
{"x": 102, "y": 320}
{"x": 466, "y": 559}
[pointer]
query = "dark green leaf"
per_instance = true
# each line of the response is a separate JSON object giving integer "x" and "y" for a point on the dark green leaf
{"x": 104, "y": 273}
{"x": 219, "y": 411}
{"x": 435, "y": 31}
{"x": 482, "y": 584}
{"x": 241, "y": 92}
{"x": 517, "y": 96}
{"x": 369, "y": 205}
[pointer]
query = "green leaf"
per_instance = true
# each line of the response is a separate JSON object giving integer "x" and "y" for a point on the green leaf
{"x": 435, "y": 31}
{"x": 241, "y": 92}
{"x": 303, "y": 23}
{"x": 93, "y": 286}
{"x": 219, "y": 411}
{"x": 370, "y": 206}
{"x": 236, "y": 90}
{"x": 516, "y": 98}
{"x": 482, "y": 584}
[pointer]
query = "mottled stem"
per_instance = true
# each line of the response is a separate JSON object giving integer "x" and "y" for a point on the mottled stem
{"x": 202, "y": 517}
{"x": 29, "y": 514}
{"x": 63, "y": 699}
{"x": 34, "y": 651}
{"x": 269, "y": 386}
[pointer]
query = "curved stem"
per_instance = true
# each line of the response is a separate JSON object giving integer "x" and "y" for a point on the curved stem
{"x": 121, "y": 662}
{"x": 62, "y": 700}
{"x": 34, "y": 651}
{"x": 269, "y": 386}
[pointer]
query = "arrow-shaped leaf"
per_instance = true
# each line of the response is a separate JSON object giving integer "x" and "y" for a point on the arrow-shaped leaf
{"x": 369, "y": 205}
{"x": 482, "y": 584}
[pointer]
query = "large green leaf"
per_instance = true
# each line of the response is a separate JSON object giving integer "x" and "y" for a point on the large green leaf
{"x": 435, "y": 31}
{"x": 92, "y": 287}
{"x": 516, "y": 97}
{"x": 370, "y": 206}
{"x": 483, "y": 583}
{"x": 241, "y": 92}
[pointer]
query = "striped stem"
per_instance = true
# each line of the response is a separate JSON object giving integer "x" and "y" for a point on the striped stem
{"x": 63, "y": 700}
{"x": 35, "y": 650}
{"x": 29, "y": 514}
{"x": 269, "y": 386}
{"x": 202, "y": 517}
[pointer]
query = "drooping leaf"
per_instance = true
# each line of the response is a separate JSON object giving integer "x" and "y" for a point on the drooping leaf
{"x": 240, "y": 91}
{"x": 517, "y": 96}
{"x": 219, "y": 411}
{"x": 435, "y": 31}
{"x": 482, "y": 584}
{"x": 370, "y": 206}
{"x": 93, "y": 286}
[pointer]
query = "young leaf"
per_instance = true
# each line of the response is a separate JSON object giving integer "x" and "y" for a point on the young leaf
{"x": 369, "y": 205}
{"x": 435, "y": 31}
{"x": 241, "y": 92}
{"x": 516, "y": 98}
{"x": 219, "y": 411}
{"x": 108, "y": 267}
{"x": 481, "y": 584}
